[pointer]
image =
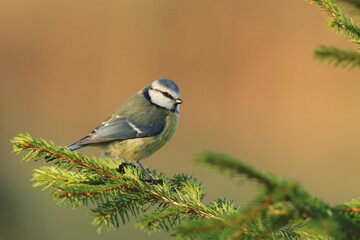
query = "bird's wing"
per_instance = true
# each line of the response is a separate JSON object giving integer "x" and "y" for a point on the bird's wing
{"x": 121, "y": 127}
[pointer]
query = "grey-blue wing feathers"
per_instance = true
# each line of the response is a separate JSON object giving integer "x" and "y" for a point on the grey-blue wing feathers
{"x": 121, "y": 127}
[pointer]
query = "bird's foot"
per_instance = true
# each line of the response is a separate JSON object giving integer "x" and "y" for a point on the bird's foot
{"x": 152, "y": 180}
{"x": 147, "y": 177}
{"x": 122, "y": 166}
{"x": 49, "y": 158}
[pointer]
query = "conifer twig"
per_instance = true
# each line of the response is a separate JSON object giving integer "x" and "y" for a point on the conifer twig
{"x": 339, "y": 57}
{"x": 282, "y": 190}
{"x": 99, "y": 181}
{"x": 353, "y": 3}
{"x": 342, "y": 25}
{"x": 338, "y": 21}
{"x": 282, "y": 209}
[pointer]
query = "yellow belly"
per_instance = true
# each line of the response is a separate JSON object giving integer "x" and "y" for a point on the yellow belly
{"x": 140, "y": 148}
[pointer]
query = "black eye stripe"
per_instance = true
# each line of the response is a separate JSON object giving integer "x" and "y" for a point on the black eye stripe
{"x": 166, "y": 94}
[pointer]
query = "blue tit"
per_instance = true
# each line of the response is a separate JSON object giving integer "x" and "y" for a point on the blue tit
{"x": 140, "y": 126}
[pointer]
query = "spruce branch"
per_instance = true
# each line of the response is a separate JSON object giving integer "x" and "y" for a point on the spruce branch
{"x": 343, "y": 25}
{"x": 282, "y": 210}
{"x": 78, "y": 180}
{"x": 351, "y": 209}
{"x": 351, "y": 3}
{"x": 338, "y": 21}
{"x": 338, "y": 57}
{"x": 281, "y": 190}
{"x": 233, "y": 167}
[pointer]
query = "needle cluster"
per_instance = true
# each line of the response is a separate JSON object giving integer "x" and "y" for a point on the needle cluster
{"x": 343, "y": 25}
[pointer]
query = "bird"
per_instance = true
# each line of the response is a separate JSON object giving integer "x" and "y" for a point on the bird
{"x": 140, "y": 126}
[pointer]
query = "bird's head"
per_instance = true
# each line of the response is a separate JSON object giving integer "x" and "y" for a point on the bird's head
{"x": 165, "y": 93}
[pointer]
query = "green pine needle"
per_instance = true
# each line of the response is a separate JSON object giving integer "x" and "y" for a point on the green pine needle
{"x": 338, "y": 57}
{"x": 338, "y": 21}
{"x": 342, "y": 25}
{"x": 351, "y": 4}
{"x": 163, "y": 219}
{"x": 351, "y": 209}
{"x": 234, "y": 167}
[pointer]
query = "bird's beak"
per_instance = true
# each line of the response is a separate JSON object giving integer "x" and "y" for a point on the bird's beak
{"x": 178, "y": 101}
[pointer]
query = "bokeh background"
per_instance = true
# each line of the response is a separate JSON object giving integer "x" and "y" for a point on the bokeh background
{"x": 250, "y": 84}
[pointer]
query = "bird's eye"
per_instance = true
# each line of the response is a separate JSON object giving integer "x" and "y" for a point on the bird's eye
{"x": 167, "y": 95}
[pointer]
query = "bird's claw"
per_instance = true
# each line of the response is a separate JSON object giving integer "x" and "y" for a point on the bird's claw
{"x": 122, "y": 166}
{"x": 152, "y": 181}
{"x": 147, "y": 178}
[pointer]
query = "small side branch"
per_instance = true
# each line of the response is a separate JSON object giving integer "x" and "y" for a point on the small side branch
{"x": 338, "y": 21}
{"x": 338, "y": 57}
{"x": 281, "y": 190}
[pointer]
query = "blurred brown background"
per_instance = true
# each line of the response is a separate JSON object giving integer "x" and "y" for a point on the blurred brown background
{"x": 250, "y": 85}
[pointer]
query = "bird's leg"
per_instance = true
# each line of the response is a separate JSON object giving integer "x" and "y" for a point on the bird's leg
{"x": 122, "y": 166}
{"x": 148, "y": 177}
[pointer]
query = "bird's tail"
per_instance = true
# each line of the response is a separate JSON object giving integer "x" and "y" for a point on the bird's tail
{"x": 74, "y": 146}
{"x": 79, "y": 144}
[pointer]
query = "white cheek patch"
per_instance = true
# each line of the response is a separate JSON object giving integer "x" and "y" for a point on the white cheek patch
{"x": 159, "y": 99}
{"x": 158, "y": 86}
